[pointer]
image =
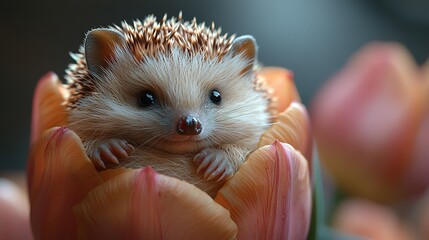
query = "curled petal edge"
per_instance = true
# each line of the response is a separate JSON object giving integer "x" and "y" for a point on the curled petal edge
{"x": 270, "y": 196}
{"x": 59, "y": 162}
{"x": 142, "y": 203}
{"x": 292, "y": 127}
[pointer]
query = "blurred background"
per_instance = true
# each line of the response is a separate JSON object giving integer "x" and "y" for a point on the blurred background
{"x": 312, "y": 38}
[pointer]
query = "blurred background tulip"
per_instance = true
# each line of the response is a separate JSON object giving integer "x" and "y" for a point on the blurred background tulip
{"x": 369, "y": 220}
{"x": 423, "y": 224}
{"x": 14, "y": 210}
{"x": 371, "y": 123}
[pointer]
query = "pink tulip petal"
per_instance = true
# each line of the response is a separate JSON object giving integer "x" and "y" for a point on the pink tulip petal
{"x": 366, "y": 120}
{"x": 423, "y": 218}
{"x": 377, "y": 84}
{"x": 143, "y": 204}
{"x": 14, "y": 212}
{"x": 60, "y": 177}
{"x": 270, "y": 196}
{"x": 416, "y": 179}
{"x": 368, "y": 220}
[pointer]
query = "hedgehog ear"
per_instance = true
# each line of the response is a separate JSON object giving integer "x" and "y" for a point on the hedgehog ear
{"x": 246, "y": 46}
{"x": 99, "y": 48}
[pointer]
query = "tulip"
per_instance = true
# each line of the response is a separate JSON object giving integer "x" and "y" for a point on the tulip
{"x": 268, "y": 198}
{"x": 14, "y": 209}
{"x": 371, "y": 123}
{"x": 368, "y": 220}
{"x": 424, "y": 218}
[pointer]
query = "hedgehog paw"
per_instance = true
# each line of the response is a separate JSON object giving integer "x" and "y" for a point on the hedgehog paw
{"x": 215, "y": 163}
{"x": 110, "y": 151}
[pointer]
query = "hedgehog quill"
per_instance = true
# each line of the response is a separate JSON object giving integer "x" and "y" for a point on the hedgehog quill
{"x": 176, "y": 95}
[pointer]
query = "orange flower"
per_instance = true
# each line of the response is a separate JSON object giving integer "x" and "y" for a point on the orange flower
{"x": 269, "y": 197}
{"x": 372, "y": 124}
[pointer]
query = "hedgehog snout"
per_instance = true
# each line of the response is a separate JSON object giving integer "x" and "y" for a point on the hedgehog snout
{"x": 189, "y": 125}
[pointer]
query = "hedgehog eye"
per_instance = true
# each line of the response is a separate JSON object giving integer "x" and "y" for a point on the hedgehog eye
{"x": 146, "y": 98}
{"x": 215, "y": 97}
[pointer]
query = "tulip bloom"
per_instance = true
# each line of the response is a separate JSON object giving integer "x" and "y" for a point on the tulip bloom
{"x": 14, "y": 209}
{"x": 362, "y": 218}
{"x": 371, "y": 124}
{"x": 269, "y": 197}
{"x": 424, "y": 218}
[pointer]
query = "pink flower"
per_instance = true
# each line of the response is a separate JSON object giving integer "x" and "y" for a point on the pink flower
{"x": 14, "y": 209}
{"x": 371, "y": 124}
{"x": 269, "y": 197}
{"x": 369, "y": 220}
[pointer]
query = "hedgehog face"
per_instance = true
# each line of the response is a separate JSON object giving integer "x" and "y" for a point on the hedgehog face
{"x": 144, "y": 102}
{"x": 170, "y": 100}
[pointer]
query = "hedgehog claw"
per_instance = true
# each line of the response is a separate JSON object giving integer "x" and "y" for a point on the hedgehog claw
{"x": 214, "y": 163}
{"x": 110, "y": 151}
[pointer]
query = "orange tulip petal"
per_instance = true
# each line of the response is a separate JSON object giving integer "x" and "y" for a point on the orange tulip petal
{"x": 144, "y": 204}
{"x": 48, "y": 110}
{"x": 292, "y": 127}
{"x": 61, "y": 176}
{"x": 112, "y": 173}
{"x": 270, "y": 196}
{"x": 280, "y": 81}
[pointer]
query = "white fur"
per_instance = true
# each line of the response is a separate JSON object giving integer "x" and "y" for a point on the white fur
{"x": 182, "y": 86}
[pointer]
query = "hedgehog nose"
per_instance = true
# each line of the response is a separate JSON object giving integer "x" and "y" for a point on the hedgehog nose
{"x": 189, "y": 125}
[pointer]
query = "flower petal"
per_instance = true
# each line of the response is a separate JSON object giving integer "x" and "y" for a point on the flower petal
{"x": 366, "y": 121}
{"x": 144, "y": 204}
{"x": 270, "y": 196}
{"x": 362, "y": 218}
{"x": 280, "y": 80}
{"x": 292, "y": 127}
{"x": 14, "y": 217}
{"x": 48, "y": 110}
{"x": 416, "y": 179}
{"x": 423, "y": 218}
{"x": 60, "y": 177}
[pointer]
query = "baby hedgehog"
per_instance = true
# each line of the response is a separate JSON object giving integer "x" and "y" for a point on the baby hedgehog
{"x": 175, "y": 95}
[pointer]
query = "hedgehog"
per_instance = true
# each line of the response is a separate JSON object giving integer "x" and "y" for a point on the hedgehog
{"x": 178, "y": 96}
